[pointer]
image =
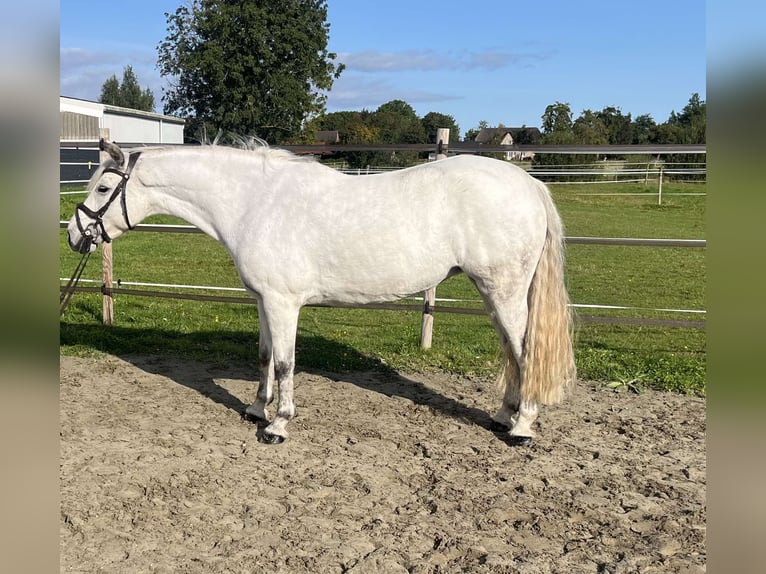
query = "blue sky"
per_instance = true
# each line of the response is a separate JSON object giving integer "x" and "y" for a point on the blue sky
{"x": 494, "y": 60}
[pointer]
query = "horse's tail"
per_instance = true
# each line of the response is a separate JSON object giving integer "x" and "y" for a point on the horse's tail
{"x": 548, "y": 354}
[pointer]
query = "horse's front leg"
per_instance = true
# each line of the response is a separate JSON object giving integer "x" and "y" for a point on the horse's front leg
{"x": 283, "y": 324}
{"x": 265, "y": 394}
{"x": 257, "y": 411}
{"x": 276, "y": 432}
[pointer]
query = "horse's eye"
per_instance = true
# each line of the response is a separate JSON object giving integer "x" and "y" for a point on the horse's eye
{"x": 103, "y": 188}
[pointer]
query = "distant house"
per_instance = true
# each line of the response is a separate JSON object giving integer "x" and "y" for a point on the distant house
{"x": 510, "y": 136}
{"x": 328, "y": 137}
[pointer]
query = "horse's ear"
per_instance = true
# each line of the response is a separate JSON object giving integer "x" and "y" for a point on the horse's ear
{"x": 113, "y": 150}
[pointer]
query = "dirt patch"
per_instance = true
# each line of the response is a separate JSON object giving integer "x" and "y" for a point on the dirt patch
{"x": 382, "y": 473}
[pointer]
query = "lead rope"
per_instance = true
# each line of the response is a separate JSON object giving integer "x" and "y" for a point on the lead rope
{"x": 71, "y": 286}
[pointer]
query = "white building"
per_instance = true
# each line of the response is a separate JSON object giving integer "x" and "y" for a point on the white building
{"x": 83, "y": 120}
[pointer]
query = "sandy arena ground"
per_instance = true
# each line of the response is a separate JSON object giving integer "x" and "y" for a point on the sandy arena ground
{"x": 383, "y": 473}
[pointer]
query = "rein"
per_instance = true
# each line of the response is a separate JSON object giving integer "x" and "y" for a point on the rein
{"x": 71, "y": 286}
{"x": 97, "y": 216}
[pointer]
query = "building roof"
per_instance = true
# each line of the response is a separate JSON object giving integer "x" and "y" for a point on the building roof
{"x": 328, "y": 136}
{"x": 90, "y": 108}
{"x": 487, "y": 134}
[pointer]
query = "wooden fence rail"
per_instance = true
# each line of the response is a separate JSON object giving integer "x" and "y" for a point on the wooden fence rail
{"x": 411, "y": 307}
{"x": 427, "y": 308}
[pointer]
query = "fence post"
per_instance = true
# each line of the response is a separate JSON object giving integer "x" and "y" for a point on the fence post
{"x": 659, "y": 191}
{"x": 429, "y": 296}
{"x": 106, "y": 274}
{"x": 107, "y": 302}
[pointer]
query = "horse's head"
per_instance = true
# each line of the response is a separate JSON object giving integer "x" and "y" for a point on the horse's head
{"x": 98, "y": 219}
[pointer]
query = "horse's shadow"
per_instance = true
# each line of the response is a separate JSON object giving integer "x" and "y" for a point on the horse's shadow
{"x": 140, "y": 348}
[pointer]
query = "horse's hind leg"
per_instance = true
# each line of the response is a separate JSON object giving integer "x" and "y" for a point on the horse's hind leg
{"x": 508, "y": 379}
{"x": 509, "y": 313}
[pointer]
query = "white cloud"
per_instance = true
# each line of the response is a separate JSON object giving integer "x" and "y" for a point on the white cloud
{"x": 496, "y": 59}
{"x": 376, "y": 61}
{"x": 356, "y": 92}
{"x": 373, "y": 61}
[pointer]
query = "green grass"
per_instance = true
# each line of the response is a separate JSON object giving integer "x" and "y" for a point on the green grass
{"x": 348, "y": 339}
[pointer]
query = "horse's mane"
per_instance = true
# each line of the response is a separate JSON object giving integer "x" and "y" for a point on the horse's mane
{"x": 235, "y": 141}
{"x": 253, "y": 144}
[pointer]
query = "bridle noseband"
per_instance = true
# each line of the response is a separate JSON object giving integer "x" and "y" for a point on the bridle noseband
{"x": 97, "y": 216}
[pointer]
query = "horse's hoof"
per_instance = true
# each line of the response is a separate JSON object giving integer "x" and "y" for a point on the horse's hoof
{"x": 252, "y": 418}
{"x": 495, "y": 426}
{"x": 273, "y": 438}
{"x": 519, "y": 440}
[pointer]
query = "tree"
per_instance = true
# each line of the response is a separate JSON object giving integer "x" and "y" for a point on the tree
{"x": 353, "y": 128}
{"x": 253, "y": 67}
{"x": 558, "y": 128}
{"x": 589, "y": 128}
{"x": 127, "y": 94}
{"x": 526, "y": 136}
{"x": 396, "y": 122}
{"x": 692, "y": 120}
{"x": 618, "y": 126}
{"x": 688, "y": 127}
{"x": 644, "y": 128}
{"x": 557, "y": 124}
{"x": 341, "y": 121}
{"x": 432, "y": 121}
{"x": 110, "y": 91}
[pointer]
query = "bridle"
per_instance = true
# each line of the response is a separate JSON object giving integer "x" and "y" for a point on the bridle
{"x": 98, "y": 223}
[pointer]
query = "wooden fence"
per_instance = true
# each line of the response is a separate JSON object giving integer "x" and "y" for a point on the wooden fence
{"x": 428, "y": 306}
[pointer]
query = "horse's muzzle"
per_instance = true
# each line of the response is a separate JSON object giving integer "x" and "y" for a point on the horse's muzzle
{"x": 83, "y": 245}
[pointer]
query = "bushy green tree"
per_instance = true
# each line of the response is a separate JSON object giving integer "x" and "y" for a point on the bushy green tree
{"x": 397, "y": 122}
{"x": 557, "y": 129}
{"x": 433, "y": 121}
{"x": 353, "y": 128}
{"x": 526, "y": 136}
{"x": 589, "y": 128}
{"x": 557, "y": 124}
{"x": 644, "y": 128}
{"x": 692, "y": 121}
{"x": 687, "y": 127}
{"x": 618, "y": 126}
{"x": 127, "y": 94}
{"x": 253, "y": 67}
{"x": 340, "y": 121}
{"x": 110, "y": 91}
